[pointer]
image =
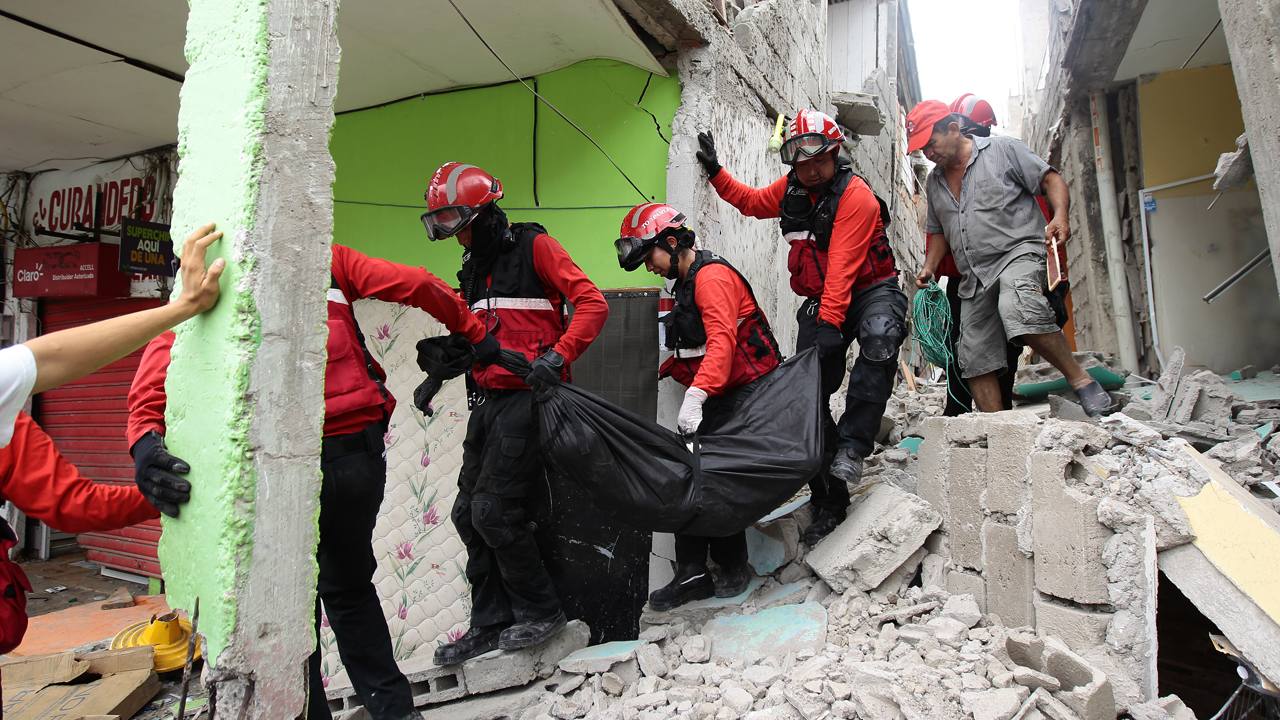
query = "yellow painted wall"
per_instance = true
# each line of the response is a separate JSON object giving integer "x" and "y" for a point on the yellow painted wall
{"x": 1187, "y": 118}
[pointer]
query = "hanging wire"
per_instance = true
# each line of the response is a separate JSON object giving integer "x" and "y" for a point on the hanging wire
{"x": 547, "y": 102}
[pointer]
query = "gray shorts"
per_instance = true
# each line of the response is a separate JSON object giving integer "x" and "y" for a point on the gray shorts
{"x": 1013, "y": 307}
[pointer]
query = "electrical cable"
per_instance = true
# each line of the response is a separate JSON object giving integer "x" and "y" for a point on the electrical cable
{"x": 931, "y": 327}
{"x": 548, "y": 103}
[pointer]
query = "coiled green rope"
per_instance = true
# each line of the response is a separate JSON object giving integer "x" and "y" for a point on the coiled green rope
{"x": 931, "y": 326}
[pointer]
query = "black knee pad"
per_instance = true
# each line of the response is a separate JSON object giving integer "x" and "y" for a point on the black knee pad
{"x": 879, "y": 338}
{"x": 495, "y": 520}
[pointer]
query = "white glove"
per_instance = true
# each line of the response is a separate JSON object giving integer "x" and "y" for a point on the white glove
{"x": 691, "y": 410}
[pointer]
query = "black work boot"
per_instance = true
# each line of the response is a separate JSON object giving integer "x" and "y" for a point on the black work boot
{"x": 847, "y": 466}
{"x": 533, "y": 632}
{"x": 692, "y": 582}
{"x": 731, "y": 582}
{"x": 476, "y": 642}
{"x": 824, "y": 521}
{"x": 1095, "y": 401}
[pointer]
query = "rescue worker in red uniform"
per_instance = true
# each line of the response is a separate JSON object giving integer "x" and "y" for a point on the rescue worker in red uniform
{"x": 841, "y": 263}
{"x": 42, "y": 483}
{"x": 518, "y": 281}
{"x": 352, "y": 461}
{"x": 722, "y": 346}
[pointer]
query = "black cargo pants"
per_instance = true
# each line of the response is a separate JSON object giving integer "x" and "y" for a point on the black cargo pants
{"x": 876, "y": 318}
{"x": 354, "y": 476}
{"x": 500, "y": 466}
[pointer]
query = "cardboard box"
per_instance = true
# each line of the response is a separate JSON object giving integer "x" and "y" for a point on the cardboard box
{"x": 112, "y": 683}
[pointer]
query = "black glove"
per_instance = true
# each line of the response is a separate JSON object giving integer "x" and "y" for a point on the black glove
{"x": 828, "y": 340}
{"x": 154, "y": 472}
{"x": 707, "y": 154}
{"x": 487, "y": 349}
{"x": 425, "y": 393}
{"x": 544, "y": 373}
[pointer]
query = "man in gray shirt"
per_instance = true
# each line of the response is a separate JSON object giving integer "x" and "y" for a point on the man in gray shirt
{"x": 982, "y": 208}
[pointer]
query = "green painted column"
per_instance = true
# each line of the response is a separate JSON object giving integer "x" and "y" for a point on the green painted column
{"x": 246, "y": 382}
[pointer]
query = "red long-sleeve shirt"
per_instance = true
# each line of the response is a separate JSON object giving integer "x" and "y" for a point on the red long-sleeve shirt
{"x": 856, "y": 224}
{"x": 590, "y": 310}
{"x": 358, "y": 276}
{"x": 46, "y": 486}
{"x": 723, "y": 300}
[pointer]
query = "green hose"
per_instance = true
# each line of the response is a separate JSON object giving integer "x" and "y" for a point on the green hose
{"x": 931, "y": 326}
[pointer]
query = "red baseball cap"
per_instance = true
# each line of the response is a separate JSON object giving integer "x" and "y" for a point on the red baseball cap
{"x": 920, "y": 122}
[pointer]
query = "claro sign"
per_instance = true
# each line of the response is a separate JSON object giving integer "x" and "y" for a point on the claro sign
{"x": 80, "y": 270}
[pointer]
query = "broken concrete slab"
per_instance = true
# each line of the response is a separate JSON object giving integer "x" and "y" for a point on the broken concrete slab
{"x": 774, "y": 632}
{"x": 859, "y": 112}
{"x": 883, "y": 531}
{"x": 599, "y": 658}
{"x": 999, "y": 704}
{"x": 501, "y": 669}
{"x": 899, "y": 579}
{"x": 1034, "y": 679}
{"x": 782, "y": 594}
{"x": 699, "y": 611}
{"x": 1254, "y": 633}
{"x": 1169, "y": 707}
{"x": 771, "y": 545}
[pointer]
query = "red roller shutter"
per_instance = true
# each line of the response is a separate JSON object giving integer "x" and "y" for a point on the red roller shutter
{"x": 87, "y": 421}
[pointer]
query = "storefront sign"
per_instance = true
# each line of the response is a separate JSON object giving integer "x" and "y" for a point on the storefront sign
{"x": 80, "y": 270}
{"x": 146, "y": 248}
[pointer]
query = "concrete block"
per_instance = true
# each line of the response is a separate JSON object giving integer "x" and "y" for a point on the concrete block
{"x": 1034, "y": 679}
{"x": 934, "y": 467}
{"x": 1068, "y": 539}
{"x": 772, "y": 545}
{"x": 600, "y": 658}
{"x": 428, "y": 682}
{"x": 948, "y": 630}
{"x": 883, "y": 531}
{"x": 1085, "y": 689}
{"x": 965, "y": 485}
{"x": 1080, "y": 629}
{"x": 774, "y": 632}
{"x": 499, "y": 669}
{"x": 961, "y": 582}
{"x": 1010, "y": 576}
{"x": 1011, "y": 437}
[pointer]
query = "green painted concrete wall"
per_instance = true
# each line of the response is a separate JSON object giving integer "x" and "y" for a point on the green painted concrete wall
{"x": 220, "y": 122}
{"x": 550, "y": 174}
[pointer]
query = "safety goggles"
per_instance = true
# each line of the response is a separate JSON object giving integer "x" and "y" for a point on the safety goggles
{"x": 632, "y": 251}
{"x": 803, "y": 147}
{"x": 447, "y": 221}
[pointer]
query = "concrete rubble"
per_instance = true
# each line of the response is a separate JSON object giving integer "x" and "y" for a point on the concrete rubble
{"x": 1008, "y": 572}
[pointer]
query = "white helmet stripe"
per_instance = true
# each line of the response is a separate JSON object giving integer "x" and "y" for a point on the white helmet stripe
{"x": 451, "y": 184}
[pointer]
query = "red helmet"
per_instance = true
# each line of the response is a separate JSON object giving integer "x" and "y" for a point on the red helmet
{"x": 641, "y": 228}
{"x": 974, "y": 108}
{"x": 810, "y": 134}
{"x": 455, "y": 195}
